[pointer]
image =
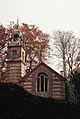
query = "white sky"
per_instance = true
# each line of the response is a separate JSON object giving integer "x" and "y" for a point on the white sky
{"x": 49, "y": 15}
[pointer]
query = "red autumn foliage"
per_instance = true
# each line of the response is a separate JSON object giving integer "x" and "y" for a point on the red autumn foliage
{"x": 35, "y": 42}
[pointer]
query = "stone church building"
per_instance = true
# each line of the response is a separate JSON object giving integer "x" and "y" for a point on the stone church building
{"x": 42, "y": 80}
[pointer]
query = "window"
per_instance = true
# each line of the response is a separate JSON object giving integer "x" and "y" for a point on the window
{"x": 23, "y": 56}
{"x": 14, "y": 54}
{"x": 42, "y": 83}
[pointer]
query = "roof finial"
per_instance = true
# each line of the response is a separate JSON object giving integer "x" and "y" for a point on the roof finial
{"x": 17, "y": 22}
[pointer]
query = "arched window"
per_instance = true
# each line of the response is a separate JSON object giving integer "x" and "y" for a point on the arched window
{"x": 42, "y": 83}
{"x": 23, "y": 56}
{"x": 14, "y": 54}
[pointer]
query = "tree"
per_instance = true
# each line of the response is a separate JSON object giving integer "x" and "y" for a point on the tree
{"x": 65, "y": 47}
{"x": 35, "y": 43}
{"x": 70, "y": 92}
{"x": 75, "y": 81}
{"x": 3, "y": 47}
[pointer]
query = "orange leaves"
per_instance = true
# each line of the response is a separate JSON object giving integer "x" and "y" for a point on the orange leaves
{"x": 24, "y": 28}
{"x": 3, "y": 35}
{"x": 34, "y": 40}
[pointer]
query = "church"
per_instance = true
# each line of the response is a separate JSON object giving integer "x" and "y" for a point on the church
{"x": 41, "y": 81}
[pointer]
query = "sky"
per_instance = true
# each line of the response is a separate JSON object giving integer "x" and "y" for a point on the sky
{"x": 48, "y": 15}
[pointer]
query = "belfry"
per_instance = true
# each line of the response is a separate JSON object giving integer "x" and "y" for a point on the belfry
{"x": 15, "y": 58}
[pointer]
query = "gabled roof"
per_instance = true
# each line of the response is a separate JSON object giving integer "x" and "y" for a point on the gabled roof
{"x": 26, "y": 75}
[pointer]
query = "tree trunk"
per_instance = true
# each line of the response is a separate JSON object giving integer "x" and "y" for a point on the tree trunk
{"x": 64, "y": 64}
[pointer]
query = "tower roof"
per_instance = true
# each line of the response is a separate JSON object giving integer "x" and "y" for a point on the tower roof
{"x": 16, "y": 32}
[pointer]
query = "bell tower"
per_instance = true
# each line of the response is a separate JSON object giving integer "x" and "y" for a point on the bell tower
{"x": 15, "y": 59}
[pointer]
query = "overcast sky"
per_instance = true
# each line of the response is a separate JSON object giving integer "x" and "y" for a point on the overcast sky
{"x": 49, "y": 15}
